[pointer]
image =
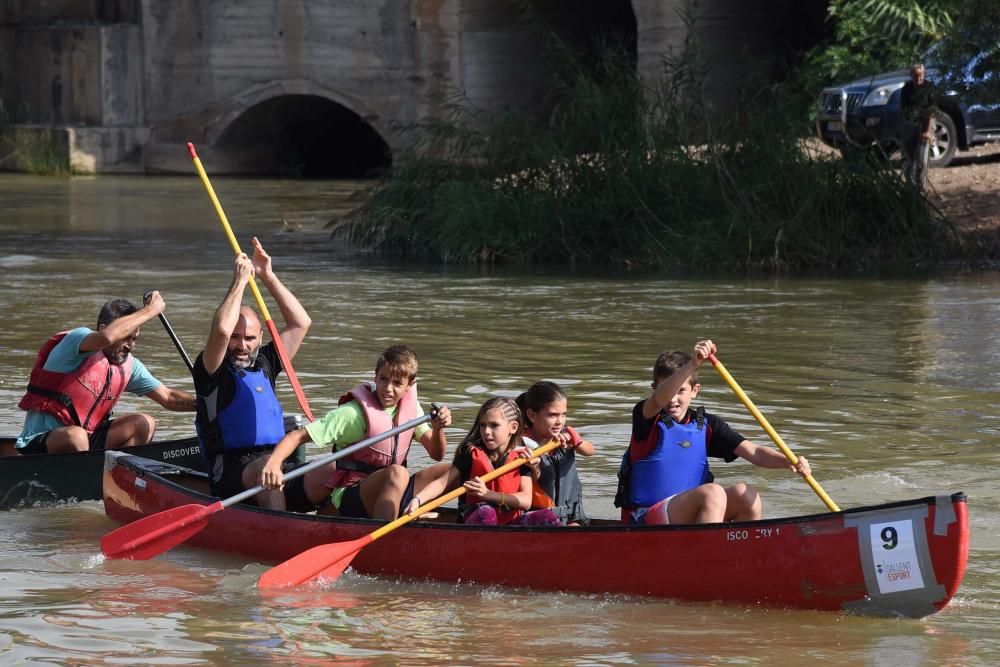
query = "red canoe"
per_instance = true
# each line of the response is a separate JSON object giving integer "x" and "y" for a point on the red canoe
{"x": 898, "y": 559}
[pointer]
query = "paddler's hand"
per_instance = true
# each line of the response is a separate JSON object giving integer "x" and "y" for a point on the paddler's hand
{"x": 569, "y": 438}
{"x": 154, "y": 301}
{"x": 802, "y": 467}
{"x": 476, "y": 486}
{"x": 533, "y": 463}
{"x": 441, "y": 418}
{"x": 411, "y": 506}
{"x": 271, "y": 477}
{"x": 703, "y": 349}
{"x": 261, "y": 262}
{"x": 242, "y": 269}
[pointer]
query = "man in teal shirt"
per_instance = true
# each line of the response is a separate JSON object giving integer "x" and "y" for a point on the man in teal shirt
{"x": 78, "y": 377}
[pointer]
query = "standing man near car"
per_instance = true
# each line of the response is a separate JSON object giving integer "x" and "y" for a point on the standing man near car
{"x": 917, "y": 100}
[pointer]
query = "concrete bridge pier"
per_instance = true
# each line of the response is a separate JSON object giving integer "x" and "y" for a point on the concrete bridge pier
{"x": 72, "y": 88}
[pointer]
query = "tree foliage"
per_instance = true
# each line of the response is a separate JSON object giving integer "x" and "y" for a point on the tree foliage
{"x": 878, "y": 35}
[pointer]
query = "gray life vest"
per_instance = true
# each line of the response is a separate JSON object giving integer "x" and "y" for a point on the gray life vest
{"x": 559, "y": 478}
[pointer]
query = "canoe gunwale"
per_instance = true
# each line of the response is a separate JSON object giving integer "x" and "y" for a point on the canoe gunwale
{"x": 143, "y": 467}
{"x": 137, "y": 450}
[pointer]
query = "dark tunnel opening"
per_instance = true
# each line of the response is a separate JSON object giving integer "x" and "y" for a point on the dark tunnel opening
{"x": 307, "y": 136}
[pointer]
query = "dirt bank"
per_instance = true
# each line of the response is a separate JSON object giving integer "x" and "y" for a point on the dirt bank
{"x": 968, "y": 191}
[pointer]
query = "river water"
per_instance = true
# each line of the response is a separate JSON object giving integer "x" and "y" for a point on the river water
{"x": 889, "y": 386}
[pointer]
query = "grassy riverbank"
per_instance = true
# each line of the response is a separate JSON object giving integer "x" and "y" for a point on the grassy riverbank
{"x": 33, "y": 151}
{"x": 610, "y": 178}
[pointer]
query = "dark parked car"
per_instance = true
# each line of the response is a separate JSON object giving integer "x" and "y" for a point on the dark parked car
{"x": 865, "y": 113}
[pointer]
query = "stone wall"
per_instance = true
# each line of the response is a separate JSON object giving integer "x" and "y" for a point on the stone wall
{"x": 209, "y": 62}
{"x": 740, "y": 37}
{"x": 136, "y": 79}
{"x": 504, "y": 56}
{"x": 49, "y": 12}
{"x": 69, "y": 76}
{"x": 80, "y": 74}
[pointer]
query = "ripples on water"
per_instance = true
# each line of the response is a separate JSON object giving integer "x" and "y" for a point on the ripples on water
{"x": 888, "y": 386}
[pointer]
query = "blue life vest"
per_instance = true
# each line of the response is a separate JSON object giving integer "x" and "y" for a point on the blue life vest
{"x": 253, "y": 418}
{"x": 677, "y": 463}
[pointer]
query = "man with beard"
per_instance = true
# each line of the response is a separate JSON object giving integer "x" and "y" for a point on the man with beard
{"x": 80, "y": 374}
{"x": 239, "y": 417}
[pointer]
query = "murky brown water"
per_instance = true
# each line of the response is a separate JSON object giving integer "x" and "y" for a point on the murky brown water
{"x": 890, "y": 387}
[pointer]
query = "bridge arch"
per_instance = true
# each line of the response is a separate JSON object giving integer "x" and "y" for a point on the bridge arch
{"x": 299, "y": 129}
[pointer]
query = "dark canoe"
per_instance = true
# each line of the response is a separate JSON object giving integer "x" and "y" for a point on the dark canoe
{"x": 47, "y": 478}
{"x": 899, "y": 559}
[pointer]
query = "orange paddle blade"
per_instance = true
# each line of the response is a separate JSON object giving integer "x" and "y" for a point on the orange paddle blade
{"x": 326, "y": 561}
{"x": 152, "y": 535}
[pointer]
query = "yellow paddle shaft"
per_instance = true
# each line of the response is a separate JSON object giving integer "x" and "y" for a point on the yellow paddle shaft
{"x": 441, "y": 500}
{"x": 789, "y": 454}
{"x": 229, "y": 230}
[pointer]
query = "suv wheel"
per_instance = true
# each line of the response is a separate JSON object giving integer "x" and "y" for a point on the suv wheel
{"x": 942, "y": 148}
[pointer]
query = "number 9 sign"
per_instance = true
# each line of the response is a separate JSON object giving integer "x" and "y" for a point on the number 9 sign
{"x": 894, "y": 555}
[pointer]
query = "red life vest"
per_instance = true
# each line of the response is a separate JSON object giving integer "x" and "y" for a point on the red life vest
{"x": 355, "y": 467}
{"x": 82, "y": 397}
{"x": 508, "y": 483}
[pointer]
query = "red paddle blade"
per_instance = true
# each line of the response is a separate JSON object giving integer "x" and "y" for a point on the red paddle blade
{"x": 327, "y": 561}
{"x": 152, "y": 535}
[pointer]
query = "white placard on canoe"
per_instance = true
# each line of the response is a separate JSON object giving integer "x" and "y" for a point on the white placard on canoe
{"x": 895, "y": 557}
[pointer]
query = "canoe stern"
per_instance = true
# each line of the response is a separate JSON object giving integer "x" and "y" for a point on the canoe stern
{"x": 913, "y": 558}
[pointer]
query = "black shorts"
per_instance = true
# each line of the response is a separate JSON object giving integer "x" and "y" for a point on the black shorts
{"x": 96, "y": 439}
{"x": 230, "y": 482}
{"x": 351, "y": 505}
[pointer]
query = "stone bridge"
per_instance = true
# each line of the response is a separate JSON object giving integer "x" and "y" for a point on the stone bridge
{"x": 314, "y": 87}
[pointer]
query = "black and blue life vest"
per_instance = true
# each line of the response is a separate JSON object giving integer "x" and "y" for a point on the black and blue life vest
{"x": 677, "y": 463}
{"x": 253, "y": 419}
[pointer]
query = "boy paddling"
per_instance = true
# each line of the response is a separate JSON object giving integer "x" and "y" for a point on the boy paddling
{"x": 664, "y": 476}
{"x": 375, "y": 482}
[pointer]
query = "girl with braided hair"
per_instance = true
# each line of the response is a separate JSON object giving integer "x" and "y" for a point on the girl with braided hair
{"x": 493, "y": 441}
